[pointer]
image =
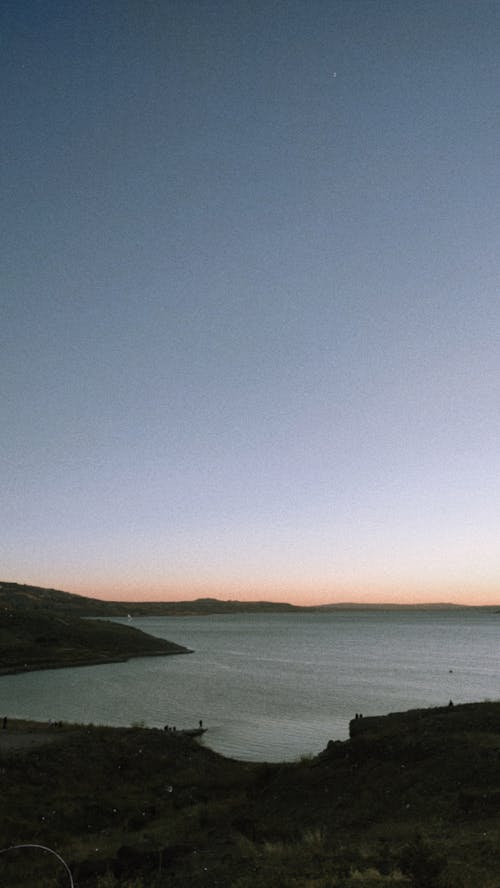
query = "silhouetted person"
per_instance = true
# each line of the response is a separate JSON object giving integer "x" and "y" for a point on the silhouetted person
{"x": 4, "y": 725}
{"x": 201, "y": 723}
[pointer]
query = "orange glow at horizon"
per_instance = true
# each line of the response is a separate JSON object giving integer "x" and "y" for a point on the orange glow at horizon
{"x": 290, "y": 593}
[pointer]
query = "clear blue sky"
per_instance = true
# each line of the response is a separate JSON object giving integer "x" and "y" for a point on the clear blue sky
{"x": 250, "y": 298}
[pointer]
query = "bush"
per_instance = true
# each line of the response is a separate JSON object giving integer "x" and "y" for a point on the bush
{"x": 421, "y": 863}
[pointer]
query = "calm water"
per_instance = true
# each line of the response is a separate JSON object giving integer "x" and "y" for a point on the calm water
{"x": 274, "y": 687}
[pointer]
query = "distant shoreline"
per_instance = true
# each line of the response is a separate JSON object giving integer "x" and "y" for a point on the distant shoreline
{"x": 14, "y": 595}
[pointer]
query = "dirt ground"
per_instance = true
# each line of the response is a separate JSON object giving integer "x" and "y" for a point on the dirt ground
{"x": 19, "y": 735}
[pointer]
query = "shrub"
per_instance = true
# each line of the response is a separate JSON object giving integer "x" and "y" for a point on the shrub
{"x": 421, "y": 863}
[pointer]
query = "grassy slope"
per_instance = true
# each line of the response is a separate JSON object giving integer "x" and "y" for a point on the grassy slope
{"x": 409, "y": 800}
{"x": 16, "y": 596}
{"x": 43, "y": 640}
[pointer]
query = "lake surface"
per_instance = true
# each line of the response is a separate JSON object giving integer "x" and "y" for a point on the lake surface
{"x": 274, "y": 687}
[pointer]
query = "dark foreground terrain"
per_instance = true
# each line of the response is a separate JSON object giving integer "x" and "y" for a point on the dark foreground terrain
{"x": 411, "y": 799}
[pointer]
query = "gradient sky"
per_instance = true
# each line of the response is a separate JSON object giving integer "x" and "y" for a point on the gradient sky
{"x": 250, "y": 309}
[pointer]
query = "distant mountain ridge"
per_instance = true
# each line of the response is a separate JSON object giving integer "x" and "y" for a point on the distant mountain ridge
{"x": 18, "y": 595}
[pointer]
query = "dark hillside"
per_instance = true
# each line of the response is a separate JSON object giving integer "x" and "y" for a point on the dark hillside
{"x": 208, "y": 606}
{"x": 17, "y": 596}
{"x": 412, "y": 800}
{"x": 41, "y": 640}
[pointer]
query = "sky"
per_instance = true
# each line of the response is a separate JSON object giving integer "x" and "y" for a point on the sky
{"x": 250, "y": 299}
